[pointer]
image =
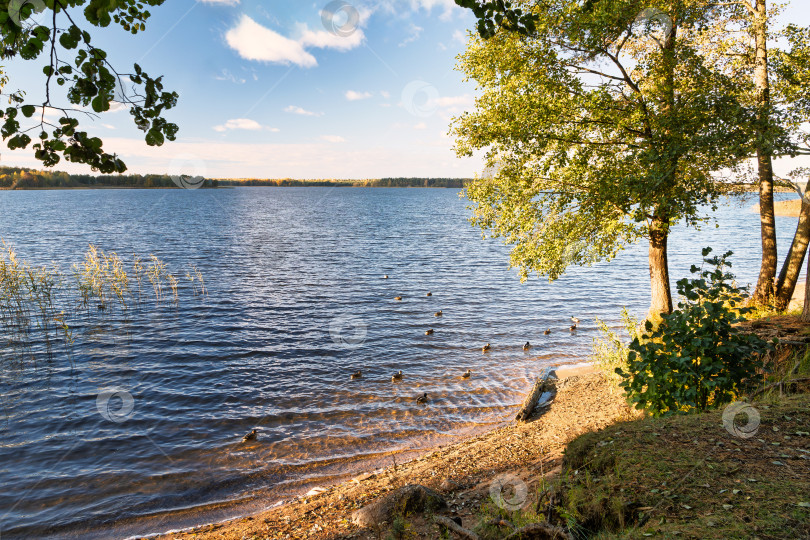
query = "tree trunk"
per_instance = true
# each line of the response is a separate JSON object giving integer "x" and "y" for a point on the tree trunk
{"x": 792, "y": 267}
{"x": 659, "y": 269}
{"x": 806, "y": 310}
{"x": 767, "y": 270}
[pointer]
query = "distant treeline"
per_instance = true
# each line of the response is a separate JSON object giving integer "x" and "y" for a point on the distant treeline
{"x": 373, "y": 182}
{"x": 24, "y": 178}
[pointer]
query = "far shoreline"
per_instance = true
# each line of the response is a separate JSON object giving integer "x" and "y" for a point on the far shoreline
{"x": 340, "y": 185}
{"x": 23, "y": 178}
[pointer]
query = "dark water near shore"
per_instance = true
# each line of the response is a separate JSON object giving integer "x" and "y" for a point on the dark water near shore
{"x": 296, "y": 302}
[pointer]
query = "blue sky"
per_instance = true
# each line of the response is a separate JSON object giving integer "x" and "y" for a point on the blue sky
{"x": 270, "y": 89}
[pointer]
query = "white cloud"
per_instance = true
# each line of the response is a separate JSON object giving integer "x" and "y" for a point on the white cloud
{"x": 415, "y": 31}
{"x": 450, "y": 102}
{"x": 385, "y": 94}
{"x": 317, "y": 159}
{"x": 420, "y": 125}
{"x": 333, "y": 138}
{"x": 294, "y": 109}
{"x": 449, "y": 7}
{"x": 255, "y": 42}
{"x": 351, "y": 95}
{"x": 221, "y": 2}
{"x": 226, "y": 75}
{"x": 448, "y": 106}
{"x": 460, "y": 36}
{"x": 242, "y": 123}
{"x": 322, "y": 39}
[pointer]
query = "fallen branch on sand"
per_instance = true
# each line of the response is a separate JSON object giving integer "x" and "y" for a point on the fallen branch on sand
{"x": 455, "y": 527}
{"x": 544, "y": 384}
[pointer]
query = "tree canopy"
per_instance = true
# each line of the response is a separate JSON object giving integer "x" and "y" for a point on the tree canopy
{"x": 603, "y": 126}
{"x": 81, "y": 74}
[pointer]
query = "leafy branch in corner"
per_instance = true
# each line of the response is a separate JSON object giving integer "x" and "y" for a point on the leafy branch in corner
{"x": 493, "y": 15}
{"x": 90, "y": 81}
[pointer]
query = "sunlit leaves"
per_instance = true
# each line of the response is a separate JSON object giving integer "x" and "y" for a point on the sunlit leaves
{"x": 92, "y": 83}
{"x": 592, "y": 131}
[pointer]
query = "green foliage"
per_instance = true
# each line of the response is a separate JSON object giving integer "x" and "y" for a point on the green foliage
{"x": 695, "y": 358}
{"x": 88, "y": 78}
{"x": 610, "y": 351}
{"x": 496, "y": 14}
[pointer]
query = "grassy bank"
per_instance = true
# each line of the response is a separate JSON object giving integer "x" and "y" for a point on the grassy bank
{"x": 688, "y": 477}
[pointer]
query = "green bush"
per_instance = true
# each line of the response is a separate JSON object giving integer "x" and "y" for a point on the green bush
{"x": 695, "y": 358}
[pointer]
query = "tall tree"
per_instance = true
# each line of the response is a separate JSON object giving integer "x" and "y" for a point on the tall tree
{"x": 739, "y": 46}
{"x": 758, "y": 16}
{"x": 604, "y": 126}
{"x": 792, "y": 69}
{"x": 77, "y": 75}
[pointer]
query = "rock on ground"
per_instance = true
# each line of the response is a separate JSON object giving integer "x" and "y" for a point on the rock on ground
{"x": 405, "y": 500}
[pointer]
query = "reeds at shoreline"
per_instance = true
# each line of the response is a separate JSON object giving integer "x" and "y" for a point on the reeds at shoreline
{"x": 41, "y": 307}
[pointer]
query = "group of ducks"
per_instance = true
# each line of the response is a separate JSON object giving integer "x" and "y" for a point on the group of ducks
{"x": 526, "y": 346}
{"x": 398, "y": 376}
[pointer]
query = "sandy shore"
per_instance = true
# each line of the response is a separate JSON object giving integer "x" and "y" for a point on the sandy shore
{"x": 789, "y": 208}
{"x": 462, "y": 472}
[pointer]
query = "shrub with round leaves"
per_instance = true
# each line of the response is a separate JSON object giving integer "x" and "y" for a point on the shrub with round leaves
{"x": 696, "y": 357}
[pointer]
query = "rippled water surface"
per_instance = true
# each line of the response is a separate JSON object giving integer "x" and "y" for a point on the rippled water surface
{"x": 296, "y": 302}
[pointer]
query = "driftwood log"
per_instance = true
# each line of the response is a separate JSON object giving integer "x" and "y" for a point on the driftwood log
{"x": 455, "y": 527}
{"x": 544, "y": 384}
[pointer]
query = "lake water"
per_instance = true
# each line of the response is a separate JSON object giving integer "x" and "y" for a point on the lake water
{"x": 296, "y": 302}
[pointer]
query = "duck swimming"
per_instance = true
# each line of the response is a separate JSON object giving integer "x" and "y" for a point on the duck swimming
{"x": 429, "y": 293}
{"x": 438, "y": 314}
{"x": 251, "y": 436}
{"x": 573, "y": 328}
{"x": 422, "y": 399}
{"x": 466, "y": 374}
{"x": 485, "y": 348}
{"x": 574, "y": 320}
{"x": 548, "y": 331}
{"x": 357, "y": 375}
{"x": 527, "y": 346}
{"x": 429, "y": 332}
{"x": 396, "y": 376}
{"x": 397, "y": 298}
